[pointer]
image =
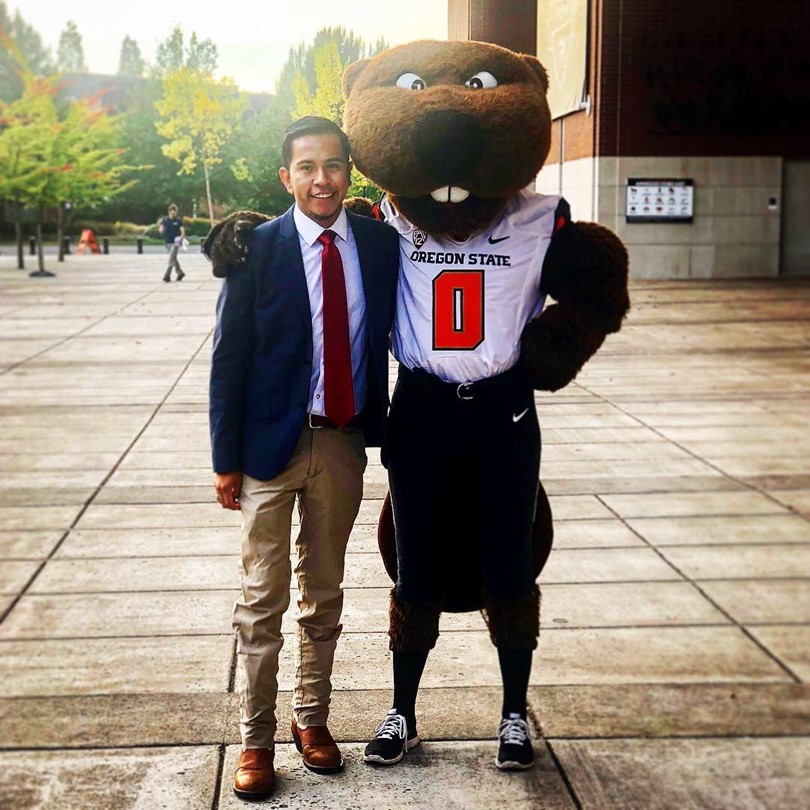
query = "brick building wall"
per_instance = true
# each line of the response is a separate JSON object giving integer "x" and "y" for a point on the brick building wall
{"x": 708, "y": 78}
{"x": 715, "y": 92}
{"x": 510, "y": 24}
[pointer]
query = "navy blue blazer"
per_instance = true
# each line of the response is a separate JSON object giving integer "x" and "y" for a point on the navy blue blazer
{"x": 262, "y": 358}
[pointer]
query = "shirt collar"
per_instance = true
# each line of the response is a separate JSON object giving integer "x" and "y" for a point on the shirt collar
{"x": 309, "y": 230}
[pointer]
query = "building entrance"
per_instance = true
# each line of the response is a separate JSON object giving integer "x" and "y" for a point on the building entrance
{"x": 795, "y": 259}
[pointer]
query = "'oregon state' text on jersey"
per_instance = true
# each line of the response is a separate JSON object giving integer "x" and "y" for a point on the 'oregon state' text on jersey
{"x": 462, "y": 306}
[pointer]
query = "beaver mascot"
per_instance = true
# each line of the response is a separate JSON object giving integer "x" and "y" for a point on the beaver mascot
{"x": 500, "y": 293}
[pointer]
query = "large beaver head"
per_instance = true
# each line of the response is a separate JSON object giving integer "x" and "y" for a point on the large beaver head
{"x": 449, "y": 129}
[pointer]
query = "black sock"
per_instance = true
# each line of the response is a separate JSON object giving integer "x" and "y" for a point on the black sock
{"x": 516, "y": 665}
{"x": 408, "y": 668}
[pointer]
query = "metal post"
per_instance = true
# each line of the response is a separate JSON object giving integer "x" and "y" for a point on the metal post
{"x": 66, "y": 244}
{"x": 32, "y": 244}
{"x": 139, "y": 242}
{"x": 105, "y": 246}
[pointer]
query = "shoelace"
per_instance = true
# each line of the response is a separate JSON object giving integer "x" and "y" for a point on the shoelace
{"x": 514, "y": 731}
{"x": 393, "y": 726}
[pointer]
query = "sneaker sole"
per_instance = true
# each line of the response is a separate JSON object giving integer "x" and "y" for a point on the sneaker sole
{"x": 376, "y": 759}
{"x": 511, "y": 765}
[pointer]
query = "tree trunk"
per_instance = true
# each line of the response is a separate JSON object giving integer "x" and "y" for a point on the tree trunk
{"x": 40, "y": 249}
{"x": 70, "y": 213}
{"x": 208, "y": 194}
{"x": 18, "y": 235}
{"x": 60, "y": 233}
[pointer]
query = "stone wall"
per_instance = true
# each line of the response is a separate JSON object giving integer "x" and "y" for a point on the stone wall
{"x": 734, "y": 233}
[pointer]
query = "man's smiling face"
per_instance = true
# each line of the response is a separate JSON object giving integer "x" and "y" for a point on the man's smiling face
{"x": 318, "y": 176}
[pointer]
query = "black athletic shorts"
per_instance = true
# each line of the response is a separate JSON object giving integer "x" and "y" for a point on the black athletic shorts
{"x": 463, "y": 456}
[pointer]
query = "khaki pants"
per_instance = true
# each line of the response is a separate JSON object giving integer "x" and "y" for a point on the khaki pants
{"x": 173, "y": 249}
{"x": 325, "y": 473}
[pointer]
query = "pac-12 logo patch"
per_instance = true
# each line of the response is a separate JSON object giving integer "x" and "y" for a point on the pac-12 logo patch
{"x": 419, "y": 238}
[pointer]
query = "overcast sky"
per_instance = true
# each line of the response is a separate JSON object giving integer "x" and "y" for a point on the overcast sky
{"x": 253, "y": 38}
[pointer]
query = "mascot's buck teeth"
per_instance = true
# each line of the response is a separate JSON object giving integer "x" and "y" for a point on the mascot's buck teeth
{"x": 450, "y": 194}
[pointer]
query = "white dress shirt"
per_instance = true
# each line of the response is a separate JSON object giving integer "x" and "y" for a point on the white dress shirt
{"x": 308, "y": 233}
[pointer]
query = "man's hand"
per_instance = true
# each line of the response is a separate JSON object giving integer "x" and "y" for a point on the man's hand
{"x": 228, "y": 487}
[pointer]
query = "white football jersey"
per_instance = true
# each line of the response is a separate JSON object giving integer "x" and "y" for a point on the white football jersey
{"x": 462, "y": 306}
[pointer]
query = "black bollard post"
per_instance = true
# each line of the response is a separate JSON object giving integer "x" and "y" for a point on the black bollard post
{"x": 105, "y": 246}
{"x": 139, "y": 242}
{"x": 32, "y": 245}
{"x": 66, "y": 245}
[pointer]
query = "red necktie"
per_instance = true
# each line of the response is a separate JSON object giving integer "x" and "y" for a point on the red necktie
{"x": 337, "y": 356}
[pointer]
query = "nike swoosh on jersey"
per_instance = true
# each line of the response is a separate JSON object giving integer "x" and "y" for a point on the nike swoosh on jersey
{"x": 493, "y": 241}
{"x": 519, "y": 416}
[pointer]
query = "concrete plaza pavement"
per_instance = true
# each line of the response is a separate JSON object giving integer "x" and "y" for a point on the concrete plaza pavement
{"x": 675, "y": 646}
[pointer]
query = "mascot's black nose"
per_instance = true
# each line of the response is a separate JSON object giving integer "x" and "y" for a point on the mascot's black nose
{"x": 448, "y": 144}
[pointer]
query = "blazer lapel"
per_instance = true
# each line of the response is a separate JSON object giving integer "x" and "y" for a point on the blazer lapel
{"x": 293, "y": 265}
{"x": 365, "y": 254}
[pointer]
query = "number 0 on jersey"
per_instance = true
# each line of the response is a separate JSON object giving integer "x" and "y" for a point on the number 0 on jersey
{"x": 458, "y": 309}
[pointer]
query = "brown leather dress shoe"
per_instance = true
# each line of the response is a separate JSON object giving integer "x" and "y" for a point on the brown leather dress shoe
{"x": 318, "y": 749}
{"x": 254, "y": 777}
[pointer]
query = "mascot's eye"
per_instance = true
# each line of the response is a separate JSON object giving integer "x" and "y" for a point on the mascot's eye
{"x": 410, "y": 81}
{"x": 481, "y": 80}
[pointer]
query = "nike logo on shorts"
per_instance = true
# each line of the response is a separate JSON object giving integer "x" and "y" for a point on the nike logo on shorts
{"x": 516, "y": 417}
{"x": 493, "y": 241}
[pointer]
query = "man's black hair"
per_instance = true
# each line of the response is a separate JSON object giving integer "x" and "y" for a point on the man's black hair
{"x": 311, "y": 125}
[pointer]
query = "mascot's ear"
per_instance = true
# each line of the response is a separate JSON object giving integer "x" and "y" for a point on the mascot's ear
{"x": 351, "y": 74}
{"x": 534, "y": 63}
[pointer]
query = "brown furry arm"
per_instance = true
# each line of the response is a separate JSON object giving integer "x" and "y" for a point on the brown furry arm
{"x": 585, "y": 272}
{"x": 226, "y": 244}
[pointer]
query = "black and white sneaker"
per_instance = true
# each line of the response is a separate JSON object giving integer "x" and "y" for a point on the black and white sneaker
{"x": 515, "y": 751}
{"x": 391, "y": 740}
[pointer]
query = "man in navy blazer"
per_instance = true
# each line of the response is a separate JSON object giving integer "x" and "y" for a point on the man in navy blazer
{"x": 298, "y": 389}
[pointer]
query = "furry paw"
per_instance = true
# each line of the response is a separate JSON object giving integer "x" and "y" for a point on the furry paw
{"x": 226, "y": 245}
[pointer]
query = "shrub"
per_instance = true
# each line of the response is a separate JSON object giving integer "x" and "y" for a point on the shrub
{"x": 108, "y": 228}
{"x": 196, "y": 227}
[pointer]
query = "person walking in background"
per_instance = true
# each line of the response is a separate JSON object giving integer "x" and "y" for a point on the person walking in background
{"x": 298, "y": 389}
{"x": 171, "y": 226}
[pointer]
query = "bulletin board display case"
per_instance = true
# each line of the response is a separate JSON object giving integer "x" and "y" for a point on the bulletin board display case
{"x": 656, "y": 200}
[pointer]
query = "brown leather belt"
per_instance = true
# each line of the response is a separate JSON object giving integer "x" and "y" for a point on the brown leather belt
{"x": 317, "y": 421}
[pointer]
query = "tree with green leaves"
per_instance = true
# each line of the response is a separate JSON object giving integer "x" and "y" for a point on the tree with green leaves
{"x": 201, "y": 55}
{"x": 27, "y": 41}
{"x": 169, "y": 55}
{"x": 197, "y": 117}
{"x": 130, "y": 63}
{"x": 172, "y": 54}
{"x": 248, "y": 175}
{"x": 87, "y": 161}
{"x": 326, "y": 100}
{"x": 70, "y": 53}
{"x": 28, "y": 125}
{"x": 301, "y": 61}
{"x": 159, "y": 185}
{"x": 53, "y": 159}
